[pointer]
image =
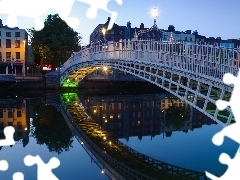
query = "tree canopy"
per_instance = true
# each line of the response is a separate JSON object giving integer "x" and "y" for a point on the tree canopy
{"x": 55, "y": 42}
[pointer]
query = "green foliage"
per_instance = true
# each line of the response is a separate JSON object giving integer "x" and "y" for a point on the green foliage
{"x": 176, "y": 116}
{"x": 55, "y": 42}
{"x": 50, "y": 128}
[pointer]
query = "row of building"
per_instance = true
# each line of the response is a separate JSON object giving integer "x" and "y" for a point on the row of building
{"x": 128, "y": 32}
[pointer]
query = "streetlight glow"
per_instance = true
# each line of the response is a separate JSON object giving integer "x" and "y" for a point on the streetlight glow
{"x": 104, "y": 31}
{"x": 154, "y": 13}
{"x": 105, "y": 68}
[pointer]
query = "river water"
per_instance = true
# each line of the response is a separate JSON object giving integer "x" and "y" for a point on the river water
{"x": 178, "y": 136}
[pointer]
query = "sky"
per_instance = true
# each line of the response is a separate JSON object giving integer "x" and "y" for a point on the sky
{"x": 211, "y": 18}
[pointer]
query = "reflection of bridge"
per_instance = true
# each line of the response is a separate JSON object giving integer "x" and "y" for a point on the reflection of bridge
{"x": 183, "y": 69}
{"x": 119, "y": 159}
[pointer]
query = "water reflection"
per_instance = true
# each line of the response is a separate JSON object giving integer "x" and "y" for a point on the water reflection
{"x": 126, "y": 161}
{"x": 143, "y": 114}
{"x": 50, "y": 128}
{"x": 13, "y": 113}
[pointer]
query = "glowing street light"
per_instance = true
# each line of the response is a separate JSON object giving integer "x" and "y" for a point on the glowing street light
{"x": 105, "y": 68}
{"x": 154, "y": 13}
{"x": 104, "y": 32}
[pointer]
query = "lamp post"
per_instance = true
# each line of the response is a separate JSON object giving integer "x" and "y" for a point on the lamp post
{"x": 154, "y": 13}
{"x": 23, "y": 66}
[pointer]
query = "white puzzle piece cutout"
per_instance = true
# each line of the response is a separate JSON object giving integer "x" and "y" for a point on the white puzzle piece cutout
{"x": 232, "y": 131}
{"x": 3, "y": 165}
{"x": 9, "y": 140}
{"x": 35, "y": 8}
{"x": 44, "y": 170}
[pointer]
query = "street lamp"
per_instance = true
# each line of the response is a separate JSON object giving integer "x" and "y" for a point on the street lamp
{"x": 154, "y": 13}
{"x": 23, "y": 66}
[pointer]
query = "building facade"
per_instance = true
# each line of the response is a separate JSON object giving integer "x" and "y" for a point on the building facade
{"x": 13, "y": 49}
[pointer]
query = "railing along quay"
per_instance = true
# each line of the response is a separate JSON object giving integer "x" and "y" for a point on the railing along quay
{"x": 125, "y": 160}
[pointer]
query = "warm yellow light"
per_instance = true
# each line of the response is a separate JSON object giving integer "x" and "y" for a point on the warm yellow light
{"x": 94, "y": 110}
{"x": 102, "y": 171}
{"x": 104, "y": 138}
{"x": 154, "y": 13}
{"x": 104, "y": 31}
{"x": 82, "y": 143}
{"x": 25, "y": 128}
{"x": 105, "y": 121}
{"x": 105, "y": 68}
{"x": 110, "y": 142}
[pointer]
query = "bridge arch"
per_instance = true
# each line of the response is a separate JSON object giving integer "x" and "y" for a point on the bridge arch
{"x": 190, "y": 71}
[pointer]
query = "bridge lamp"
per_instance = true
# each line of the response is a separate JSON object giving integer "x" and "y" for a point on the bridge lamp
{"x": 94, "y": 110}
{"x": 105, "y": 68}
{"x": 154, "y": 13}
{"x": 102, "y": 171}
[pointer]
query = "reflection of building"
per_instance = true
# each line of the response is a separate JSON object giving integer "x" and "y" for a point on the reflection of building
{"x": 13, "y": 113}
{"x": 141, "y": 115}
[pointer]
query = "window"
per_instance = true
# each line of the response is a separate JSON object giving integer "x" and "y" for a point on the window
{"x": 152, "y": 104}
{"x": 0, "y": 56}
{"x": 147, "y": 104}
{"x": 19, "y": 113}
{"x": 0, "y": 43}
{"x": 19, "y": 125}
{"x": 119, "y": 105}
{"x": 133, "y": 105}
{"x": 120, "y": 31}
{"x": 112, "y": 32}
{"x": 104, "y": 106}
{"x": 104, "y": 116}
{"x": 190, "y": 39}
{"x": 111, "y": 125}
{"x": 8, "y": 56}
{"x": 138, "y": 123}
{"x": 119, "y": 116}
{"x": 1, "y": 126}
{"x": 10, "y": 113}
{"x": 0, "y": 33}
{"x": 119, "y": 125}
{"x": 111, "y": 116}
{"x": 139, "y": 114}
{"x": 112, "y": 38}
{"x": 17, "y": 43}
{"x": 185, "y": 38}
{"x": 17, "y": 55}
{"x": 8, "y": 34}
{"x": 1, "y": 113}
{"x": 8, "y": 43}
{"x": 133, "y": 114}
{"x": 147, "y": 113}
{"x": 17, "y": 34}
{"x": 10, "y": 123}
{"x": 111, "y": 106}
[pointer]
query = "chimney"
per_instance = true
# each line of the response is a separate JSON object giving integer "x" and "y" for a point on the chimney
{"x": 129, "y": 24}
{"x": 171, "y": 28}
{"x": 188, "y": 31}
{"x": 141, "y": 26}
{"x": 1, "y": 24}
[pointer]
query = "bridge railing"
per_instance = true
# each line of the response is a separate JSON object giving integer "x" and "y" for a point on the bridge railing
{"x": 204, "y": 60}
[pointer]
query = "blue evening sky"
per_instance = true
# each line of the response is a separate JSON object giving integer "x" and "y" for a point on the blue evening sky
{"x": 211, "y": 18}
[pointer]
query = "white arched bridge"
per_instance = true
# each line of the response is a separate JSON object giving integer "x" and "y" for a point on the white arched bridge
{"x": 191, "y": 71}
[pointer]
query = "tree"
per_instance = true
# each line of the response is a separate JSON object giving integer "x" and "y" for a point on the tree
{"x": 55, "y": 42}
{"x": 50, "y": 128}
{"x": 177, "y": 116}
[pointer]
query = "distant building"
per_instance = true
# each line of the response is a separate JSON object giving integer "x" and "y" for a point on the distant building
{"x": 115, "y": 34}
{"x": 13, "y": 49}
